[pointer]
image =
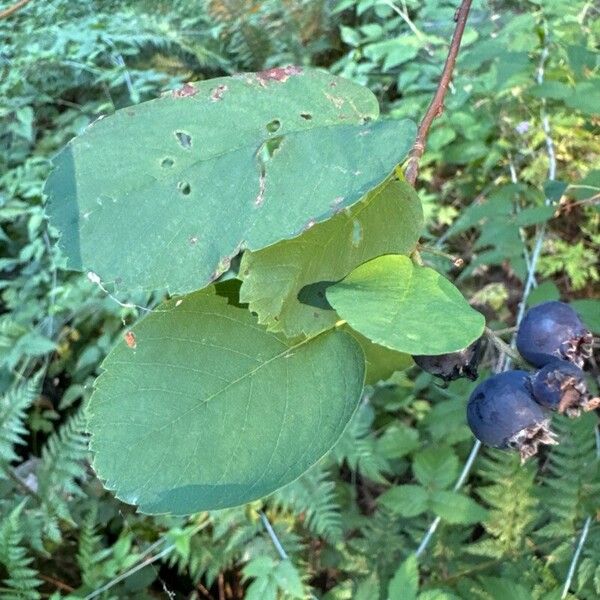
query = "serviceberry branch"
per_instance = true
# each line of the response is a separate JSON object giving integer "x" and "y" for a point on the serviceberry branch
{"x": 437, "y": 104}
{"x": 13, "y": 9}
{"x": 504, "y": 360}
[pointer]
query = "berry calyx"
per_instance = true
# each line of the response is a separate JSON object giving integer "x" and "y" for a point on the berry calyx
{"x": 502, "y": 413}
{"x": 553, "y": 330}
{"x": 560, "y": 386}
{"x": 453, "y": 365}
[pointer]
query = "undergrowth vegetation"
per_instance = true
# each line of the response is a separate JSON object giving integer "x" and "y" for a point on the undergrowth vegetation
{"x": 525, "y": 93}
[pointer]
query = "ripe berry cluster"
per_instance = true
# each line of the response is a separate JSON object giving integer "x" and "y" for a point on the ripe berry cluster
{"x": 511, "y": 409}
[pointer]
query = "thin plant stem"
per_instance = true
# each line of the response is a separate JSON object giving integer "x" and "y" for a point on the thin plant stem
{"x": 131, "y": 571}
{"x": 144, "y": 563}
{"x": 582, "y": 537}
{"x": 459, "y": 483}
{"x": 13, "y": 9}
{"x": 269, "y": 528}
{"x": 437, "y": 103}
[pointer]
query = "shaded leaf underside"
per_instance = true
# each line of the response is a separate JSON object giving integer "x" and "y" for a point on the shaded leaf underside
{"x": 285, "y": 284}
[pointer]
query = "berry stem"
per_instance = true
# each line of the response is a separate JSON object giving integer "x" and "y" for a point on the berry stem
{"x": 503, "y": 347}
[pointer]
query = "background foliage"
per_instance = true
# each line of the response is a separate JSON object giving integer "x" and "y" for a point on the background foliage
{"x": 351, "y": 525}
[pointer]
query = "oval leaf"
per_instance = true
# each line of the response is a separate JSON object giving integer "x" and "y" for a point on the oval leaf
{"x": 406, "y": 307}
{"x": 164, "y": 194}
{"x": 200, "y": 408}
{"x": 285, "y": 284}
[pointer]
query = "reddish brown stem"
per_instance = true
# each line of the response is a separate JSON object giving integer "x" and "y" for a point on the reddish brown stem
{"x": 437, "y": 104}
{"x": 13, "y": 9}
{"x": 57, "y": 583}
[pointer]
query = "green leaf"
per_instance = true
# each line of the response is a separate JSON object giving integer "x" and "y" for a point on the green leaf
{"x": 263, "y": 588}
{"x": 437, "y": 595}
{"x": 494, "y": 209}
{"x": 288, "y": 579}
{"x": 436, "y": 467}
{"x": 456, "y": 508}
{"x": 404, "y": 585}
{"x": 405, "y": 500}
{"x": 381, "y": 362}
{"x": 505, "y": 589}
{"x": 554, "y": 189}
{"x": 554, "y": 90}
{"x": 164, "y": 194}
{"x": 367, "y": 589}
{"x": 534, "y": 215}
{"x": 406, "y": 307}
{"x": 35, "y": 344}
{"x": 260, "y": 566}
{"x": 544, "y": 292}
{"x": 585, "y": 97}
{"x": 588, "y": 187}
{"x": 397, "y": 441}
{"x": 200, "y": 408}
{"x": 589, "y": 311}
{"x": 286, "y": 283}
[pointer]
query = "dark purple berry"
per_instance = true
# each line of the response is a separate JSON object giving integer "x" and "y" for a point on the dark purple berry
{"x": 454, "y": 365}
{"x": 560, "y": 385}
{"x": 503, "y": 414}
{"x": 553, "y": 330}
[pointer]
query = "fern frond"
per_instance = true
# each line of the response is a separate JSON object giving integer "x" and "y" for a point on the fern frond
{"x": 22, "y": 580}
{"x": 510, "y": 494}
{"x": 229, "y": 11}
{"x": 62, "y": 465}
{"x": 88, "y": 546}
{"x": 570, "y": 479}
{"x": 358, "y": 446}
{"x": 13, "y": 407}
{"x": 313, "y": 499}
{"x": 214, "y": 550}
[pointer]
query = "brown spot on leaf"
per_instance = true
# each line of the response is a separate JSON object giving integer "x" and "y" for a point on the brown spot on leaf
{"x": 217, "y": 93}
{"x": 279, "y": 74}
{"x": 185, "y": 91}
{"x": 130, "y": 340}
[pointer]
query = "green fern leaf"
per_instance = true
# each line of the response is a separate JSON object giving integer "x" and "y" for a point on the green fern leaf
{"x": 13, "y": 407}
{"x": 22, "y": 581}
{"x": 313, "y": 498}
